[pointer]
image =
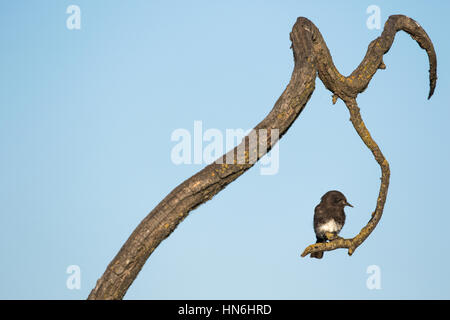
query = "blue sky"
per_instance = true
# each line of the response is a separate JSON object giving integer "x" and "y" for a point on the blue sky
{"x": 86, "y": 118}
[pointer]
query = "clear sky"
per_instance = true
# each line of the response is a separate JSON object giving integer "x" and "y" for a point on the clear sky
{"x": 86, "y": 118}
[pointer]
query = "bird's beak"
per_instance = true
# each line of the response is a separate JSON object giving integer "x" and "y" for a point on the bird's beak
{"x": 348, "y": 204}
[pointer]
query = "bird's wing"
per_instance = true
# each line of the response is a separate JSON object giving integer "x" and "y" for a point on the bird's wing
{"x": 320, "y": 215}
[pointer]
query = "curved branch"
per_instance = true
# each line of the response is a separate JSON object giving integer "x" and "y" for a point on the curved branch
{"x": 201, "y": 187}
{"x": 352, "y": 244}
{"x": 347, "y": 88}
{"x": 344, "y": 87}
{"x": 311, "y": 55}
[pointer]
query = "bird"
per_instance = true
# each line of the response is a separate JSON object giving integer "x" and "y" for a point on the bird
{"x": 329, "y": 216}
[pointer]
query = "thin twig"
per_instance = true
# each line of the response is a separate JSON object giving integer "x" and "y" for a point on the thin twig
{"x": 352, "y": 244}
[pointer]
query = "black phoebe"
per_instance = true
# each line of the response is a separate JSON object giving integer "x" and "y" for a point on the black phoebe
{"x": 329, "y": 216}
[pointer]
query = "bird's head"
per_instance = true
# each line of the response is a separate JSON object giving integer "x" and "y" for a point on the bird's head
{"x": 336, "y": 199}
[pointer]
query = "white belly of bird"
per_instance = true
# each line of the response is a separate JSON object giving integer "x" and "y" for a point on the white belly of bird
{"x": 330, "y": 226}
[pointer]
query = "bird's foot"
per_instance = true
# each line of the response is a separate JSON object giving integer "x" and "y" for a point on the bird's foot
{"x": 332, "y": 236}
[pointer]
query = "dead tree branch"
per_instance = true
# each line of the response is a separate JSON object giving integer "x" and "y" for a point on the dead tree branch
{"x": 311, "y": 57}
{"x": 347, "y": 88}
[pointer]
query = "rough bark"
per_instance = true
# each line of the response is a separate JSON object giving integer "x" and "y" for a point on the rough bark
{"x": 311, "y": 57}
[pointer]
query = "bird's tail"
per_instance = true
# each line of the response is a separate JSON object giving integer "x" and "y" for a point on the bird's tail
{"x": 318, "y": 255}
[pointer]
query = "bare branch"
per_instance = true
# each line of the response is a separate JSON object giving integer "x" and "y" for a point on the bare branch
{"x": 352, "y": 244}
{"x": 347, "y": 88}
{"x": 311, "y": 56}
